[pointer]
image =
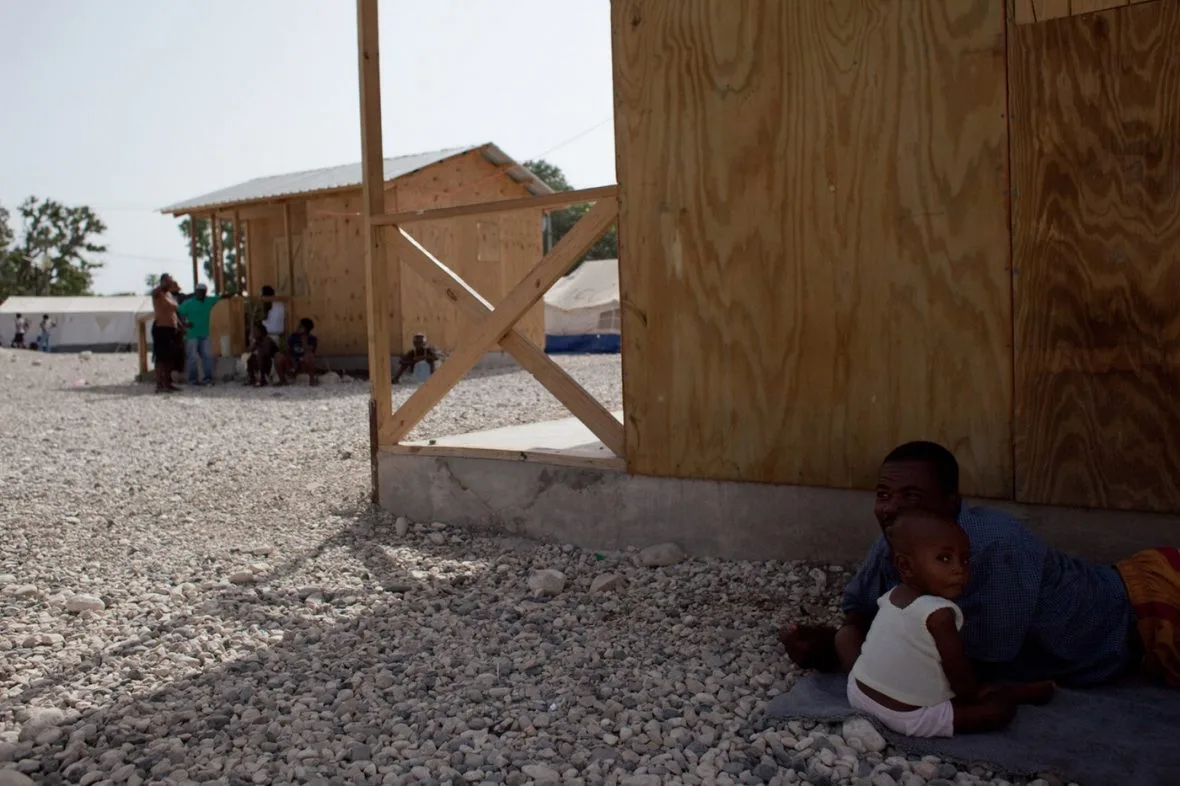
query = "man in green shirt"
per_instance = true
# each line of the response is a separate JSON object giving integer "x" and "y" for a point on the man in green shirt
{"x": 195, "y": 311}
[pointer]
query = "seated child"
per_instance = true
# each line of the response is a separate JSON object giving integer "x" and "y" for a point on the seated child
{"x": 912, "y": 673}
{"x": 262, "y": 352}
{"x": 300, "y": 354}
{"x": 422, "y": 352}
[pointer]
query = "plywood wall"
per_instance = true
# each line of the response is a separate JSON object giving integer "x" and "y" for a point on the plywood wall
{"x": 813, "y": 237}
{"x": 491, "y": 252}
{"x": 1096, "y": 238}
{"x": 264, "y": 230}
{"x": 1036, "y": 11}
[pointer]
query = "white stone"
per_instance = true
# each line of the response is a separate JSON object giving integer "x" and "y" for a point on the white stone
{"x": 78, "y": 603}
{"x": 862, "y": 735}
{"x": 14, "y": 778}
{"x": 925, "y": 769}
{"x": 401, "y": 526}
{"x": 661, "y": 555}
{"x": 20, "y": 591}
{"x": 241, "y": 577}
{"x": 546, "y": 583}
{"x": 607, "y": 582}
{"x": 541, "y": 773}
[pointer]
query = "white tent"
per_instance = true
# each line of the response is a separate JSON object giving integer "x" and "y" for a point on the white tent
{"x": 582, "y": 309}
{"x": 95, "y": 323}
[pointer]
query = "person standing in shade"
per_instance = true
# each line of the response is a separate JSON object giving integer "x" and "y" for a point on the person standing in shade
{"x": 47, "y": 325}
{"x": 21, "y": 327}
{"x": 164, "y": 331}
{"x": 196, "y": 312}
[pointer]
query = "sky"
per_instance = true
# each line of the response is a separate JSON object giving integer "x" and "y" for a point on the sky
{"x": 131, "y": 105}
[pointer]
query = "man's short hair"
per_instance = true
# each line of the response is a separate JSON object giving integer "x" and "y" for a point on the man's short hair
{"x": 308, "y": 325}
{"x": 941, "y": 460}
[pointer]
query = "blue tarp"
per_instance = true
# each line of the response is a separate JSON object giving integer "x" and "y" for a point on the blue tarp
{"x": 593, "y": 343}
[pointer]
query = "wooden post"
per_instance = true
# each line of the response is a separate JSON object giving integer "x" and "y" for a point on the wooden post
{"x": 376, "y": 268}
{"x": 215, "y": 235}
{"x": 192, "y": 243}
{"x": 239, "y": 260}
{"x": 247, "y": 279}
{"x": 290, "y": 266}
{"x": 141, "y": 340}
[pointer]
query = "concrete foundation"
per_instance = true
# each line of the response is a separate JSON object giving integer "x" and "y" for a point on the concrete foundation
{"x": 608, "y": 509}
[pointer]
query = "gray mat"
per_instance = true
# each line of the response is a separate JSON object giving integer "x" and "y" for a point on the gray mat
{"x": 1122, "y": 734}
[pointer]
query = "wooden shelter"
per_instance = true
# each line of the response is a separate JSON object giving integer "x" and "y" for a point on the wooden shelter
{"x": 303, "y": 234}
{"x": 843, "y": 224}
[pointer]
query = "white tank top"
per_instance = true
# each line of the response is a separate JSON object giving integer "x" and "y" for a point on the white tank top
{"x": 899, "y": 657}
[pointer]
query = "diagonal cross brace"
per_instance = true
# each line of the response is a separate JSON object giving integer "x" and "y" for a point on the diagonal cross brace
{"x": 496, "y": 325}
{"x": 532, "y": 358}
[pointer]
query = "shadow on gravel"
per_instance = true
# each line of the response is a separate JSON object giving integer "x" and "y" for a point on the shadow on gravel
{"x": 302, "y": 391}
{"x": 229, "y": 390}
{"x": 349, "y": 693}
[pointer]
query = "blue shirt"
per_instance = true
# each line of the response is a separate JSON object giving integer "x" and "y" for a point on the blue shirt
{"x": 1032, "y": 611}
{"x": 298, "y": 342}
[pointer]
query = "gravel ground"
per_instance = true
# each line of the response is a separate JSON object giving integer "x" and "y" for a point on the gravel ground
{"x": 194, "y": 590}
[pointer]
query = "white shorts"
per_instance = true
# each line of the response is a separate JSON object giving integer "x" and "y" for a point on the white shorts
{"x": 936, "y": 721}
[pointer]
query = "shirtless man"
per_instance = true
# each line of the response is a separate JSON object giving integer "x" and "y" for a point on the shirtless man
{"x": 164, "y": 332}
{"x": 22, "y": 327}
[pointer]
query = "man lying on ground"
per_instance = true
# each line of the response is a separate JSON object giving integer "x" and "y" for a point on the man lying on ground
{"x": 1031, "y": 612}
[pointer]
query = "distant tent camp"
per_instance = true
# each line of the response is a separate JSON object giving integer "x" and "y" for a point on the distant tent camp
{"x": 100, "y": 324}
{"x": 582, "y": 312}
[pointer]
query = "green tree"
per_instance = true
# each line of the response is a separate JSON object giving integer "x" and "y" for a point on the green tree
{"x": 229, "y": 251}
{"x": 561, "y": 221}
{"x": 151, "y": 281}
{"x": 52, "y": 256}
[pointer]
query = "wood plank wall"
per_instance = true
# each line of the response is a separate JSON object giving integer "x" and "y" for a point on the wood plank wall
{"x": 1096, "y": 237}
{"x": 491, "y": 252}
{"x": 813, "y": 237}
{"x": 1026, "y": 12}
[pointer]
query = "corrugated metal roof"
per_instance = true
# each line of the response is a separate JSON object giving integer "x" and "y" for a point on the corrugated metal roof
{"x": 347, "y": 176}
{"x": 113, "y": 304}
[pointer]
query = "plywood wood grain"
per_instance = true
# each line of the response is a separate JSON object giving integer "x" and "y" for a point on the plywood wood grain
{"x": 814, "y": 237}
{"x": 1036, "y": 11}
{"x": 260, "y": 254}
{"x": 458, "y": 242}
{"x": 329, "y": 244}
{"x": 1096, "y": 239}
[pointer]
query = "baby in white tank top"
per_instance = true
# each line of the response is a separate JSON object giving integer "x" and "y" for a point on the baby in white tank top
{"x": 912, "y": 673}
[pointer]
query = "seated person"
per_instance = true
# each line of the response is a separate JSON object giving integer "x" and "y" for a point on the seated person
{"x": 422, "y": 352}
{"x": 262, "y": 353}
{"x": 1030, "y": 611}
{"x": 300, "y": 355}
{"x": 912, "y": 672}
